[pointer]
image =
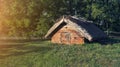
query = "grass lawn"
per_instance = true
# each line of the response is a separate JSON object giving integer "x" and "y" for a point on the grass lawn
{"x": 46, "y": 54}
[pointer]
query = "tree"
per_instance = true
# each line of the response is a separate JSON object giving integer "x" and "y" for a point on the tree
{"x": 35, "y": 17}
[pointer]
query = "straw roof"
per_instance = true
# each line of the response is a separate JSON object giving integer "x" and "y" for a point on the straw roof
{"x": 80, "y": 25}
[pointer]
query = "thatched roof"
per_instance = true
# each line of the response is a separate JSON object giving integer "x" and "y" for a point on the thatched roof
{"x": 82, "y": 26}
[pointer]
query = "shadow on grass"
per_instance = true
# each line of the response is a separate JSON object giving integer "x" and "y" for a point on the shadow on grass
{"x": 20, "y": 40}
{"x": 17, "y": 50}
{"x": 109, "y": 41}
{"x": 11, "y": 45}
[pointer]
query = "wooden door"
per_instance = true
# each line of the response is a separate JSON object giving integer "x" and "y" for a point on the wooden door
{"x": 65, "y": 38}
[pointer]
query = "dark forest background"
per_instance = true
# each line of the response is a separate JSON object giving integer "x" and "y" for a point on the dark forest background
{"x": 33, "y": 18}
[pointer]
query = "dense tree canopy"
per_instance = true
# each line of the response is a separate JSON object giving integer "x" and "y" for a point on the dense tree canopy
{"x": 35, "y": 17}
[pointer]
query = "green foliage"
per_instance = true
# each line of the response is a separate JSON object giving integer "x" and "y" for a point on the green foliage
{"x": 34, "y": 18}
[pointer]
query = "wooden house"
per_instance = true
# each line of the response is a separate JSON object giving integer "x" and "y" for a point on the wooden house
{"x": 72, "y": 30}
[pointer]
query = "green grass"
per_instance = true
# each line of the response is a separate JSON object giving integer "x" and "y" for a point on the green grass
{"x": 46, "y": 54}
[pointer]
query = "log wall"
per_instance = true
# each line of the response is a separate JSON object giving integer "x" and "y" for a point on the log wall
{"x": 67, "y": 35}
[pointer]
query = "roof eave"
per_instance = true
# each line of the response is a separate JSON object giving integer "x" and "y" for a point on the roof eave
{"x": 54, "y": 27}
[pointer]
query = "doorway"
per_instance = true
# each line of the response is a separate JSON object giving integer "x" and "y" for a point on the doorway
{"x": 65, "y": 37}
